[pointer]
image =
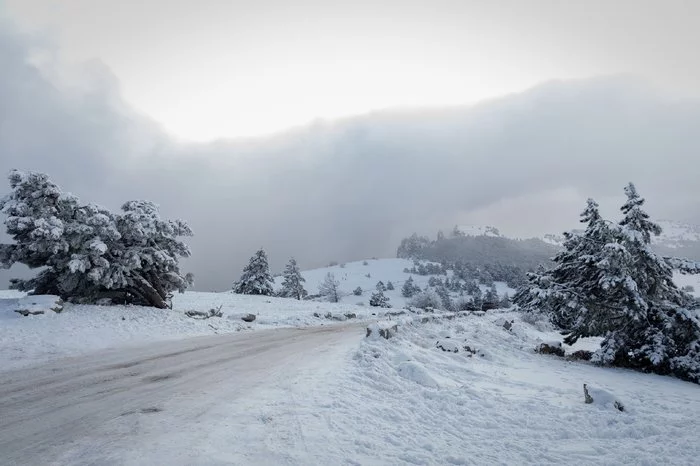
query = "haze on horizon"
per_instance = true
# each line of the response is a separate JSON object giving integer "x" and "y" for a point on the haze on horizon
{"x": 503, "y": 113}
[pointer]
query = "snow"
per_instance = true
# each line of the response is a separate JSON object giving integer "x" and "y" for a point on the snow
{"x": 81, "y": 329}
{"x": 354, "y": 274}
{"x": 404, "y": 401}
{"x": 682, "y": 279}
{"x": 328, "y": 395}
{"x": 675, "y": 234}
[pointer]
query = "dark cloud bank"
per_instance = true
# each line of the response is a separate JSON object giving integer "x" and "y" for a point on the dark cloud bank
{"x": 352, "y": 188}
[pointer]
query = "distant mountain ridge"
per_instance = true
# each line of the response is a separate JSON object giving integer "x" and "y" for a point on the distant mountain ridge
{"x": 676, "y": 239}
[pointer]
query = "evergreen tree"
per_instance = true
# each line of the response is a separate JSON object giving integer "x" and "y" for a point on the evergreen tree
{"x": 380, "y": 286}
{"x": 389, "y": 286}
{"x": 505, "y": 302}
{"x": 573, "y": 288}
{"x": 330, "y": 288}
{"x": 256, "y": 278}
{"x": 608, "y": 282}
{"x": 357, "y": 291}
{"x": 412, "y": 247}
{"x": 293, "y": 284}
{"x": 378, "y": 299}
{"x": 409, "y": 288}
{"x": 491, "y": 299}
{"x": 87, "y": 252}
{"x": 478, "y": 300}
{"x": 445, "y": 299}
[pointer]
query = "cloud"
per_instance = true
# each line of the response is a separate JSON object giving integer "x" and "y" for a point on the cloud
{"x": 352, "y": 188}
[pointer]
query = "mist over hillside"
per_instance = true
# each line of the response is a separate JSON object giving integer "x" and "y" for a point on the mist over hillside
{"x": 352, "y": 188}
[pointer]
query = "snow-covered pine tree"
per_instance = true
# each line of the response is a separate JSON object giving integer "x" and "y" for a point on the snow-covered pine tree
{"x": 357, "y": 291}
{"x": 378, "y": 299}
{"x": 653, "y": 327}
{"x": 409, "y": 288}
{"x": 145, "y": 260}
{"x": 505, "y": 302}
{"x": 572, "y": 287}
{"x": 609, "y": 282}
{"x": 478, "y": 299}
{"x": 293, "y": 284}
{"x": 491, "y": 299}
{"x": 256, "y": 278}
{"x": 444, "y": 294}
{"x": 389, "y": 286}
{"x": 88, "y": 252}
{"x": 380, "y": 286}
{"x": 330, "y": 288}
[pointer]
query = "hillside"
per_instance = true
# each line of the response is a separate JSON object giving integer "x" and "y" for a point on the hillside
{"x": 355, "y": 274}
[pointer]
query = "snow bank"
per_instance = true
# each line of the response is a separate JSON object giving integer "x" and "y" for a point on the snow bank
{"x": 405, "y": 401}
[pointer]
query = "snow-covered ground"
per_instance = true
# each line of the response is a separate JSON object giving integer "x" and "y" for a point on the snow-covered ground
{"x": 684, "y": 280}
{"x": 80, "y": 328}
{"x": 342, "y": 398}
{"x": 404, "y": 401}
{"x": 347, "y": 400}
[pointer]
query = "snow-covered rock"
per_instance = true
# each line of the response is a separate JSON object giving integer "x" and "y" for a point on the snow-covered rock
{"x": 38, "y": 304}
{"x": 383, "y": 329}
{"x": 601, "y": 397}
{"x": 551, "y": 347}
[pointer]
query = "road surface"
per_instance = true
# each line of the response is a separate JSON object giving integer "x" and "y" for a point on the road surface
{"x": 99, "y": 409}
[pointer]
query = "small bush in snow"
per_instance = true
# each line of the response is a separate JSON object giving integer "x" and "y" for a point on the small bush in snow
{"x": 357, "y": 291}
{"x": 425, "y": 300}
{"x": 389, "y": 286}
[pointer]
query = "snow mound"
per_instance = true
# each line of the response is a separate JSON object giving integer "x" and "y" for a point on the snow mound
{"x": 411, "y": 370}
{"x": 385, "y": 329}
{"x": 602, "y": 398}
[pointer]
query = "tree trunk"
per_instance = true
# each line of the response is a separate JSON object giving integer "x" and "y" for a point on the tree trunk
{"x": 149, "y": 293}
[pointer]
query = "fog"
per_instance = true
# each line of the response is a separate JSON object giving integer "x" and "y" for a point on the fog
{"x": 350, "y": 189}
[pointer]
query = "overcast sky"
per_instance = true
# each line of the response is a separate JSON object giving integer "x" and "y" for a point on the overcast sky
{"x": 123, "y": 100}
{"x": 225, "y": 68}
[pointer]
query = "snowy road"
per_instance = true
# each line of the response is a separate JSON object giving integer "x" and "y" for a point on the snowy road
{"x": 158, "y": 403}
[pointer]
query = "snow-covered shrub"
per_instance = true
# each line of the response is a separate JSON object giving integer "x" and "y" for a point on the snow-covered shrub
{"x": 425, "y": 300}
{"x": 89, "y": 253}
{"x": 378, "y": 299}
{"x": 357, "y": 291}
